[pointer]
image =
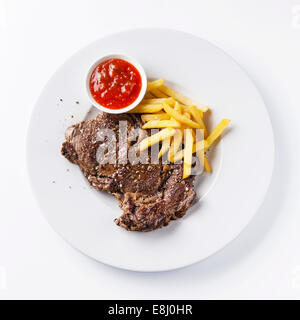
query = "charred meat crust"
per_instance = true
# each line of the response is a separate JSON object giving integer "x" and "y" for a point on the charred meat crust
{"x": 150, "y": 195}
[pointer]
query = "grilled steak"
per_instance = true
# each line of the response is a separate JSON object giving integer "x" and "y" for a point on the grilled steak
{"x": 150, "y": 195}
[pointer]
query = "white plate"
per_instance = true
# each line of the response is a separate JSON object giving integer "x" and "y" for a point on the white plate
{"x": 242, "y": 161}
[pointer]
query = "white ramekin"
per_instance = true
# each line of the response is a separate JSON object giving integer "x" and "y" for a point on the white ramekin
{"x": 134, "y": 63}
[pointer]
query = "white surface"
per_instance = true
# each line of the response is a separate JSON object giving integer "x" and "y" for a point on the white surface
{"x": 37, "y": 37}
{"x": 229, "y": 197}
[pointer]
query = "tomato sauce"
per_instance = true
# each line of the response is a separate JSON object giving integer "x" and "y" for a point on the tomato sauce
{"x": 115, "y": 83}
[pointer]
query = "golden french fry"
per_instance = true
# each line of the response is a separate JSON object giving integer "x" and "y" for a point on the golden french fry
{"x": 199, "y": 146}
{"x": 177, "y": 107}
{"x": 157, "y": 101}
{"x": 154, "y": 100}
{"x": 170, "y": 101}
{"x": 155, "y": 84}
{"x": 157, "y": 93}
{"x": 187, "y": 153}
{"x": 217, "y": 132}
{"x": 164, "y": 147}
{"x": 181, "y": 118}
{"x": 198, "y": 118}
{"x": 178, "y": 117}
{"x": 157, "y": 137}
{"x": 181, "y": 98}
{"x": 204, "y": 160}
{"x": 177, "y": 141}
{"x": 186, "y": 114}
{"x": 188, "y": 109}
{"x": 155, "y": 116}
{"x": 194, "y": 134}
{"x": 148, "y": 95}
{"x": 207, "y": 166}
{"x": 161, "y": 124}
{"x": 149, "y": 108}
{"x": 201, "y": 155}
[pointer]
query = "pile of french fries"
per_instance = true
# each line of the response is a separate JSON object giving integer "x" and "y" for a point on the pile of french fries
{"x": 178, "y": 117}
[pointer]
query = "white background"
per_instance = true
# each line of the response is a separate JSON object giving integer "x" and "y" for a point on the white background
{"x": 36, "y": 37}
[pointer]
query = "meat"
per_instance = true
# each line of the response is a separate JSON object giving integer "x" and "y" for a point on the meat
{"x": 150, "y": 195}
{"x": 145, "y": 212}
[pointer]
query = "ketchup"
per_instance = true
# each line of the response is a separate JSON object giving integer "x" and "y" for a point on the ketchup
{"x": 115, "y": 83}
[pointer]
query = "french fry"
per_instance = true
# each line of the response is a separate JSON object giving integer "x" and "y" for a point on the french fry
{"x": 207, "y": 166}
{"x": 149, "y": 108}
{"x": 164, "y": 147}
{"x": 157, "y": 93}
{"x": 182, "y": 133}
{"x": 161, "y": 124}
{"x": 158, "y": 101}
{"x": 199, "y": 146}
{"x": 178, "y": 117}
{"x": 187, "y": 153}
{"x": 194, "y": 134}
{"x": 155, "y": 116}
{"x": 177, "y": 141}
{"x": 181, "y": 118}
{"x": 155, "y": 84}
{"x": 148, "y": 95}
{"x": 186, "y": 114}
{"x": 154, "y": 100}
{"x": 177, "y": 107}
{"x": 188, "y": 109}
{"x": 201, "y": 154}
{"x": 170, "y": 101}
{"x": 163, "y": 134}
{"x": 217, "y": 132}
{"x": 197, "y": 117}
{"x": 203, "y": 159}
{"x": 181, "y": 98}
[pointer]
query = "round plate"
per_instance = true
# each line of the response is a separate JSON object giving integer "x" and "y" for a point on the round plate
{"x": 242, "y": 162}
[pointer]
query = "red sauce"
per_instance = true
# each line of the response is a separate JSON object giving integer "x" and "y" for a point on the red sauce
{"x": 115, "y": 83}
